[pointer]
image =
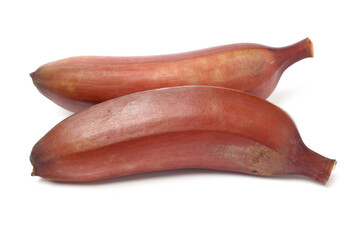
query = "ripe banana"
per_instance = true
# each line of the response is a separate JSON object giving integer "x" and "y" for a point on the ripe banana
{"x": 79, "y": 82}
{"x": 174, "y": 128}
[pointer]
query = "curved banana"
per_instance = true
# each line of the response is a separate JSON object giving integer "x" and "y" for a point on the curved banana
{"x": 173, "y": 128}
{"x": 79, "y": 82}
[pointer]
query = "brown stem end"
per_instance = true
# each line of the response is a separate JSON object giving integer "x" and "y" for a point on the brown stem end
{"x": 310, "y": 47}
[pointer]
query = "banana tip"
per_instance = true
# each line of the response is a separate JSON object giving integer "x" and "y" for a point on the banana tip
{"x": 33, "y": 76}
{"x": 33, "y": 171}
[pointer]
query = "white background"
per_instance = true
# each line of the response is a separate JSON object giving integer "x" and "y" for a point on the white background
{"x": 323, "y": 95}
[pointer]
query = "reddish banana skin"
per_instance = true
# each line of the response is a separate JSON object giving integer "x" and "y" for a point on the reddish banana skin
{"x": 78, "y": 82}
{"x": 177, "y": 128}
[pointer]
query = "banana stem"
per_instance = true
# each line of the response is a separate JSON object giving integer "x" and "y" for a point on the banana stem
{"x": 315, "y": 166}
{"x": 294, "y": 53}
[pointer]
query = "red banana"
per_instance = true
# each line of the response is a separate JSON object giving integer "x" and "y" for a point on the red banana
{"x": 174, "y": 128}
{"x": 78, "y": 82}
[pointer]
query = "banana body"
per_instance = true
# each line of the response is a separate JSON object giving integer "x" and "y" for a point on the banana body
{"x": 174, "y": 128}
{"x": 79, "y": 82}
